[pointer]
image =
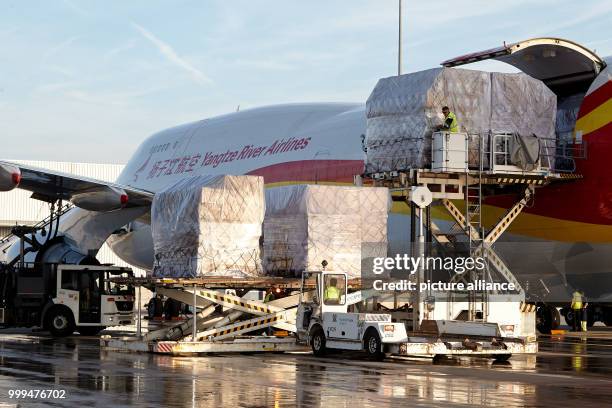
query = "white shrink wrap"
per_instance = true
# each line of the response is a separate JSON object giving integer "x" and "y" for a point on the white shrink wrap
{"x": 306, "y": 224}
{"x": 403, "y": 111}
{"x": 209, "y": 226}
{"x": 524, "y": 105}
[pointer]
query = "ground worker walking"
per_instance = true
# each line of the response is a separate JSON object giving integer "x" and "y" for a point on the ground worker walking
{"x": 577, "y": 309}
{"x": 450, "y": 121}
{"x": 585, "y": 317}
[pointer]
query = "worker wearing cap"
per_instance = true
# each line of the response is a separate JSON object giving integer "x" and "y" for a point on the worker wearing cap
{"x": 331, "y": 291}
{"x": 450, "y": 121}
{"x": 577, "y": 309}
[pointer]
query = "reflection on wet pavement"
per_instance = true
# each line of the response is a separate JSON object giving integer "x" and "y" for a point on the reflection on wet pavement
{"x": 567, "y": 371}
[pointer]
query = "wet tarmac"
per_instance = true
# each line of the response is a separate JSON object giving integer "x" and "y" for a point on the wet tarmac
{"x": 566, "y": 372}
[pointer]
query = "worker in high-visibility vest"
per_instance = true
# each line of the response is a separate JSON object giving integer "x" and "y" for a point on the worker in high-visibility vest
{"x": 577, "y": 309}
{"x": 332, "y": 293}
{"x": 450, "y": 121}
{"x": 269, "y": 296}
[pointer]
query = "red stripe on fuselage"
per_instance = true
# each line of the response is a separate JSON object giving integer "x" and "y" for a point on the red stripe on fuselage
{"x": 340, "y": 171}
{"x": 595, "y": 99}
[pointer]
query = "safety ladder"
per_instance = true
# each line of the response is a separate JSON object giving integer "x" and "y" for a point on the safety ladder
{"x": 473, "y": 228}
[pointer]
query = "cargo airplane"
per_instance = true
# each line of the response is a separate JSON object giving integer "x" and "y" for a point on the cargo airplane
{"x": 322, "y": 143}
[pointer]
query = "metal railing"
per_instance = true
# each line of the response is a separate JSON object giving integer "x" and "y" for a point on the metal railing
{"x": 492, "y": 152}
{"x": 41, "y": 224}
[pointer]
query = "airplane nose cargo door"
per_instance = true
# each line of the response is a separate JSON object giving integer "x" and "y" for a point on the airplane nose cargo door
{"x": 565, "y": 67}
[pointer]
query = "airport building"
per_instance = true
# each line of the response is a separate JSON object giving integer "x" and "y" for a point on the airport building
{"x": 16, "y": 207}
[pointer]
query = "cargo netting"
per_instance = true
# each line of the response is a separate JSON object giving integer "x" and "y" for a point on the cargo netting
{"x": 209, "y": 226}
{"x": 307, "y": 224}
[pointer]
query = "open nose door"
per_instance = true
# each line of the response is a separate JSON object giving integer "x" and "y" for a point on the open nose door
{"x": 565, "y": 67}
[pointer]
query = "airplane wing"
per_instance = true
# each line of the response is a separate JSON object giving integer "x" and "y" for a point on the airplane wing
{"x": 87, "y": 193}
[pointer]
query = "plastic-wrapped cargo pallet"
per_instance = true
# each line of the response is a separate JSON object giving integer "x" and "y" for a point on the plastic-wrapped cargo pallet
{"x": 567, "y": 113}
{"x": 306, "y": 224}
{"x": 209, "y": 226}
{"x": 403, "y": 111}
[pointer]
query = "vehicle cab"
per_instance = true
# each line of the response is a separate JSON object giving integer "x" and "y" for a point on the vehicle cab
{"x": 94, "y": 300}
{"x": 324, "y": 322}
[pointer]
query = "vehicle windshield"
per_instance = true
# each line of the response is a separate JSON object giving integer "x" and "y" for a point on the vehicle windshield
{"x": 309, "y": 283}
{"x": 113, "y": 284}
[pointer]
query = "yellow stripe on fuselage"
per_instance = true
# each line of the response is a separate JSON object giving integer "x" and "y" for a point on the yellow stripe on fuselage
{"x": 597, "y": 118}
{"x": 529, "y": 225}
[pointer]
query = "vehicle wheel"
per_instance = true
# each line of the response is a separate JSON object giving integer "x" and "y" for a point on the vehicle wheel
{"x": 569, "y": 318}
{"x": 546, "y": 317}
{"x": 556, "y": 318}
{"x": 373, "y": 345}
{"x": 607, "y": 317}
{"x": 501, "y": 358}
{"x": 90, "y": 330}
{"x": 60, "y": 322}
{"x": 317, "y": 342}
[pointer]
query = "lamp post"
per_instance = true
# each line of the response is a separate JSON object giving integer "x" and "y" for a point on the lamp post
{"x": 399, "y": 42}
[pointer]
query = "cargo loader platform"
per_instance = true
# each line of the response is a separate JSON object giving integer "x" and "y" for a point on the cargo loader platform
{"x": 244, "y": 344}
{"x": 220, "y": 330}
{"x": 417, "y": 346}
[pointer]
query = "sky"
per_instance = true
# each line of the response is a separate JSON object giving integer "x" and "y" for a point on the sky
{"x": 87, "y": 81}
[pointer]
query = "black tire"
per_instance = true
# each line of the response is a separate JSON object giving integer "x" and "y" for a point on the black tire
{"x": 569, "y": 318}
{"x": 155, "y": 308}
{"x": 60, "y": 322}
{"x": 373, "y": 345}
{"x": 501, "y": 358}
{"x": 151, "y": 309}
{"x": 90, "y": 330}
{"x": 317, "y": 342}
{"x": 607, "y": 316}
{"x": 546, "y": 319}
{"x": 556, "y": 318}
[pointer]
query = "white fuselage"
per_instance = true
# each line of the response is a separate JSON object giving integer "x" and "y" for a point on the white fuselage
{"x": 296, "y": 143}
{"x": 248, "y": 141}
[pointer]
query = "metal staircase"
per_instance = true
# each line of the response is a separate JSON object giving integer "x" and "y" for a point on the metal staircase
{"x": 474, "y": 230}
{"x": 493, "y": 174}
{"x": 55, "y": 214}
